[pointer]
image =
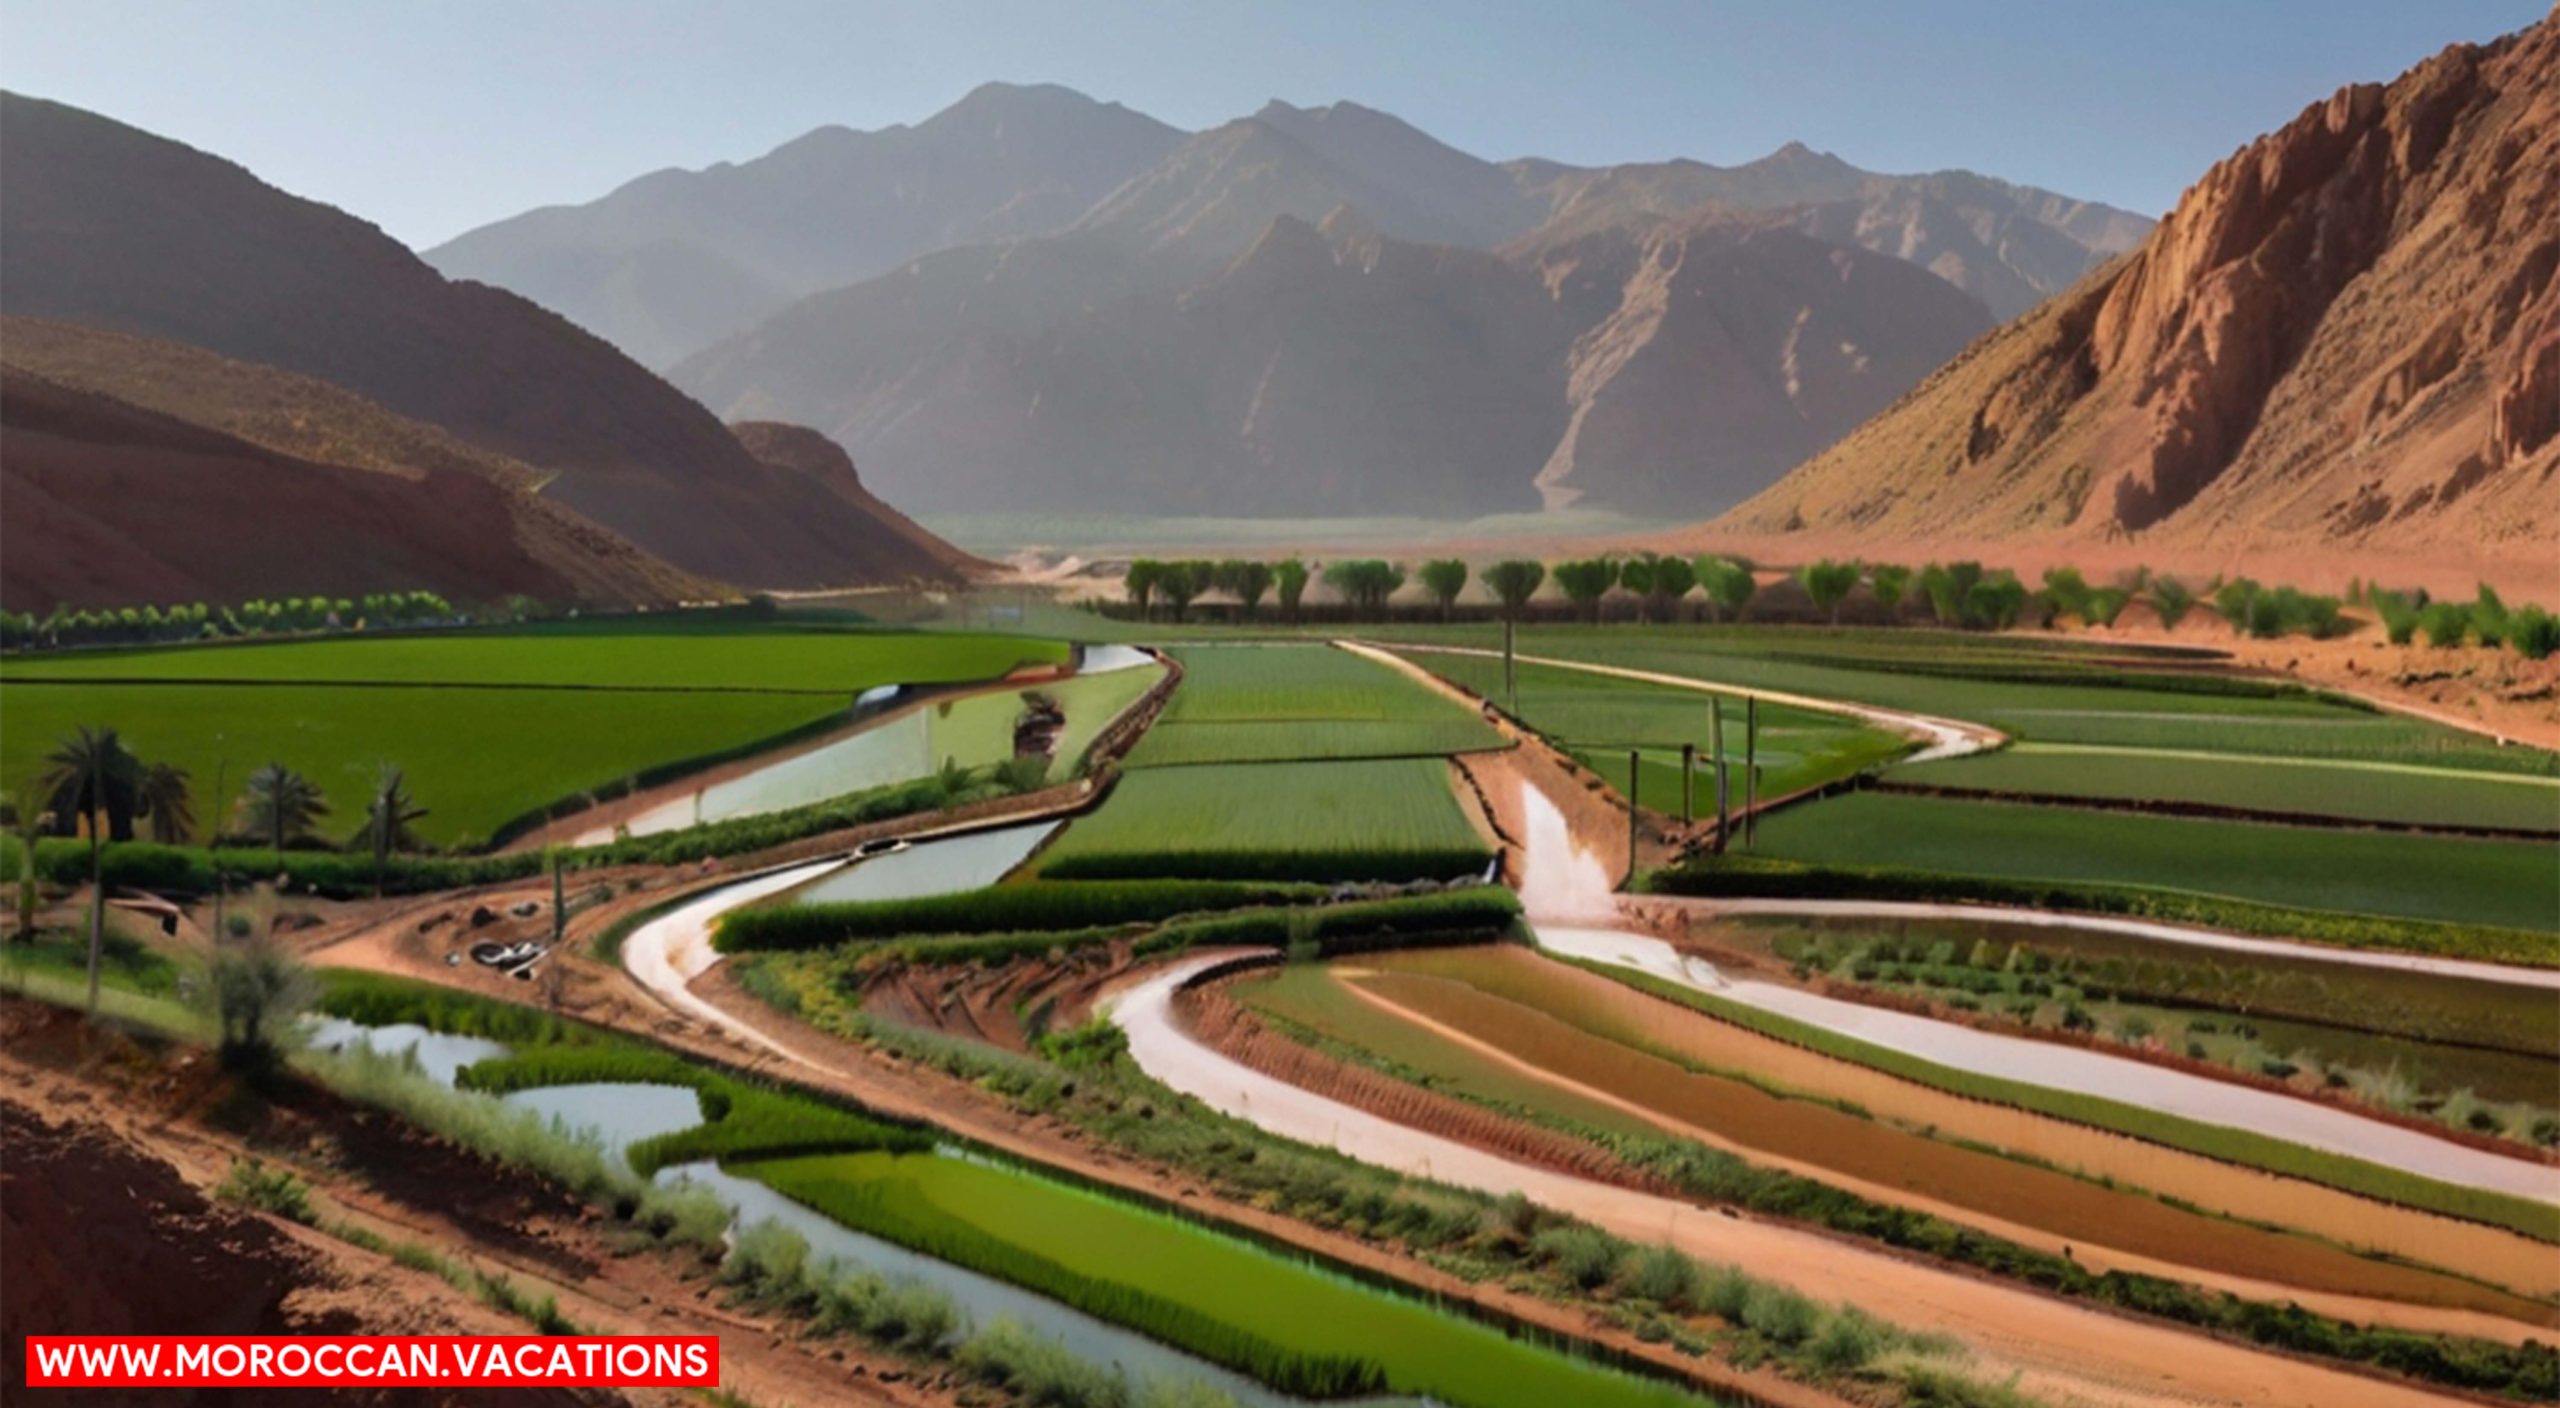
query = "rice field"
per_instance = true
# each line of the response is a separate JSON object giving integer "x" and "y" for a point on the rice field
{"x": 633, "y": 655}
{"x": 2512, "y": 884}
{"x": 1229, "y": 1293}
{"x": 475, "y": 758}
{"x": 2426, "y": 797}
{"x": 1390, "y": 819}
{"x": 1285, "y": 702}
{"x": 487, "y": 726}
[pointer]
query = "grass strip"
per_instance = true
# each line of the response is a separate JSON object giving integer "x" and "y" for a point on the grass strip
{"x": 1762, "y": 877}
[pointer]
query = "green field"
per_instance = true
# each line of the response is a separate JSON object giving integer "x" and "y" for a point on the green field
{"x": 1598, "y": 719}
{"x": 487, "y": 726}
{"x": 2050, "y": 689}
{"x": 2419, "y": 796}
{"x": 476, "y": 758}
{"x": 946, "y": 1205}
{"x": 1286, "y": 702}
{"x": 2515, "y": 884}
{"x": 1392, "y": 819}
{"x": 780, "y": 656}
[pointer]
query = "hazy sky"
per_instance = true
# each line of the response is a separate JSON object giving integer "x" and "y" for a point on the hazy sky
{"x": 435, "y": 116}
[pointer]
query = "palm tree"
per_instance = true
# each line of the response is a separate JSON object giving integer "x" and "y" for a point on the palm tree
{"x": 283, "y": 804}
{"x": 386, "y": 819}
{"x": 93, "y": 776}
{"x": 165, "y": 797}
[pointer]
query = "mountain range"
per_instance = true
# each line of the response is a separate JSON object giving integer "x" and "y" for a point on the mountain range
{"x": 1034, "y": 301}
{"x": 177, "y": 324}
{"x": 2345, "y": 334}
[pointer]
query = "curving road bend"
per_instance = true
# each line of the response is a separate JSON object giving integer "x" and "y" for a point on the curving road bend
{"x": 666, "y": 954}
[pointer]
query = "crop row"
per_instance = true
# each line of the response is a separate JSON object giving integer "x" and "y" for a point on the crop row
{"x": 1033, "y": 905}
{"x": 1396, "y": 819}
{"x": 2455, "y": 880}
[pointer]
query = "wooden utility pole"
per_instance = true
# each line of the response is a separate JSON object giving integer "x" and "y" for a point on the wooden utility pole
{"x": 1724, "y": 795}
{"x": 1750, "y": 768}
{"x": 1688, "y": 784}
{"x": 1634, "y": 787}
{"x": 1510, "y": 668}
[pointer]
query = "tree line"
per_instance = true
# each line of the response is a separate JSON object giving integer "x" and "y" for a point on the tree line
{"x": 67, "y": 625}
{"x": 1723, "y": 588}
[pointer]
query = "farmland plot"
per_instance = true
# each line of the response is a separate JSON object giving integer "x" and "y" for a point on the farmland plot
{"x": 2418, "y": 796}
{"x": 1390, "y": 819}
{"x": 1598, "y": 719}
{"x": 1278, "y": 703}
{"x": 2514, "y": 884}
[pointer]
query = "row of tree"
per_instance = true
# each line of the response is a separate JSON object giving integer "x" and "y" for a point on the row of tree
{"x": 1964, "y": 595}
{"x": 143, "y": 625}
{"x": 2486, "y": 619}
{"x": 94, "y": 784}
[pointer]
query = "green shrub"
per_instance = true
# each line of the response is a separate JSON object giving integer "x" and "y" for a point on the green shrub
{"x": 1028, "y": 907}
{"x": 2534, "y": 632}
{"x": 2445, "y": 623}
{"x": 252, "y": 1184}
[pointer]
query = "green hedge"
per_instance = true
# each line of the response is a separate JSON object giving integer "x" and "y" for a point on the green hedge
{"x": 1039, "y": 905}
{"x": 1319, "y": 866}
{"x": 1754, "y": 877}
{"x": 379, "y": 1000}
{"x": 190, "y": 870}
{"x": 1405, "y": 921}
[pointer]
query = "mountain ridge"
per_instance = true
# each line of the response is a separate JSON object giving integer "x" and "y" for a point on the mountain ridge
{"x": 1215, "y": 190}
{"x": 2346, "y": 333}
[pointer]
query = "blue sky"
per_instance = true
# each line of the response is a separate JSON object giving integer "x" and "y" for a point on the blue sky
{"x": 434, "y": 116}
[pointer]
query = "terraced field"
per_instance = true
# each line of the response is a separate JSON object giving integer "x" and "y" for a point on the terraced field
{"x": 475, "y": 758}
{"x": 2514, "y": 884}
{"x": 1430, "y": 1018}
{"x": 1290, "y": 702}
{"x": 1378, "y": 819}
{"x": 2075, "y": 1136}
